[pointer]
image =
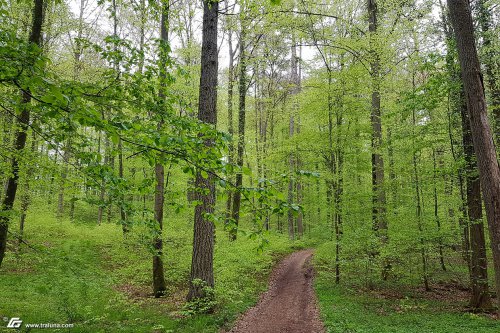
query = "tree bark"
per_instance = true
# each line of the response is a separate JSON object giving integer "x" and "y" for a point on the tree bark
{"x": 379, "y": 199}
{"x": 204, "y": 228}
{"x": 230, "y": 95}
{"x": 478, "y": 263}
{"x": 20, "y": 136}
{"x": 159, "y": 286}
{"x": 484, "y": 147}
{"x": 490, "y": 65}
{"x": 242, "y": 89}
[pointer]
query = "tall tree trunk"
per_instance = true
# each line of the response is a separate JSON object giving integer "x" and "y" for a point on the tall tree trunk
{"x": 379, "y": 200}
{"x": 26, "y": 195}
{"x": 102, "y": 194}
{"x": 484, "y": 147}
{"x": 204, "y": 228}
{"x": 291, "y": 162}
{"x": 123, "y": 213}
{"x": 478, "y": 262}
{"x": 242, "y": 89}
{"x": 20, "y": 136}
{"x": 490, "y": 64}
{"x": 436, "y": 211}
{"x": 159, "y": 286}
{"x": 64, "y": 176}
{"x": 293, "y": 159}
{"x": 230, "y": 95}
{"x": 418, "y": 201}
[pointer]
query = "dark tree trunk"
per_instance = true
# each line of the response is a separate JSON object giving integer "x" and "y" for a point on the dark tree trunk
{"x": 490, "y": 64}
{"x": 478, "y": 263}
{"x": 484, "y": 147}
{"x": 204, "y": 228}
{"x": 159, "y": 286}
{"x": 379, "y": 201}
{"x": 20, "y": 135}
{"x": 242, "y": 88}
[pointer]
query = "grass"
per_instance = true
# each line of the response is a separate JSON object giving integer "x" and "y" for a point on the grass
{"x": 351, "y": 308}
{"x": 81, "y": 273}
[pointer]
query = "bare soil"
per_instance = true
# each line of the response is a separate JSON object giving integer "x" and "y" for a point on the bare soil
{"x": 289, "y": 305}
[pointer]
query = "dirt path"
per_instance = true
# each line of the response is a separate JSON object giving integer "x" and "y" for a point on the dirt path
{"x": 289, "y": 305}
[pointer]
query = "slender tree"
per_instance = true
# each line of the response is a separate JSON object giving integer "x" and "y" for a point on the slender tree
{"x": 159, "y": 285}
{"x": 21, "y": 134}
{"x": 242, "y": 91}
{"x": 379, "y": 199}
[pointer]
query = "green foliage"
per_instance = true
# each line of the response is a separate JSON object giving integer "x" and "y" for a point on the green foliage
{"x": 205, "y": 304}
{"x": 82, "y": 276}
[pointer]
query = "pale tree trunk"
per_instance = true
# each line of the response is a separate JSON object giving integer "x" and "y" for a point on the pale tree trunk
{"x": 293, "y": 159}
{"x": 230, "y": 95}
{"x": 64, "y": 176}
{"x": 142, "y": 34}
{"x": 436, "y": 210}
{"x": 102, "y": 194}
{"x": 123, "y": 214}
{"x": 418, "y": 200}
{"x": 291, "y": 162}
{"x": 20, "y": 135}
{"x": 295, "y": 109}
{"x": 484, "y": 147}
{"x": 204, "y": 228}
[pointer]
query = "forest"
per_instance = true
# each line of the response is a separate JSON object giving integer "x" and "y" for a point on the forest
{"x": 250, "y": 166}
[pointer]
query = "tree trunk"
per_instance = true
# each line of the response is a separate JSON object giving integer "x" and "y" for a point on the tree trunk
{"x": 159, "y": 286}
{"x": 490, "y": 65}
{"x": 379, "y": 200}
{"x": 102, "y": 194}
{"x": 230, "y": 94}
{"x": 64, "y": 176}
{"x": 484, "y": 147}
{"x": 242, "y": 88}
{"x": 123, "y": 213}
{"x": 26, "y": 195}
{"x": 204, "y": 228}
{"x": 20, "y": 136}
{"x": 478, "y": 263}
{"x": 436, "y": 211}
{"x": 419, "y": 214}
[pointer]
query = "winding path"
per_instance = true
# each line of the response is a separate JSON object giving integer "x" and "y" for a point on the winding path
{"x": 289, "y": 305}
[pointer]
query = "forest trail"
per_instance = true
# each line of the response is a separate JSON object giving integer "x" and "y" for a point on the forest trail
{"x": 289, "y": 305}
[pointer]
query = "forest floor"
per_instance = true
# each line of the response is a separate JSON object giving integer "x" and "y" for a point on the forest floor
{"x": 90, "y": 276}
{"x": 400, "y": 306}
{"x": 289, "y": 305}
